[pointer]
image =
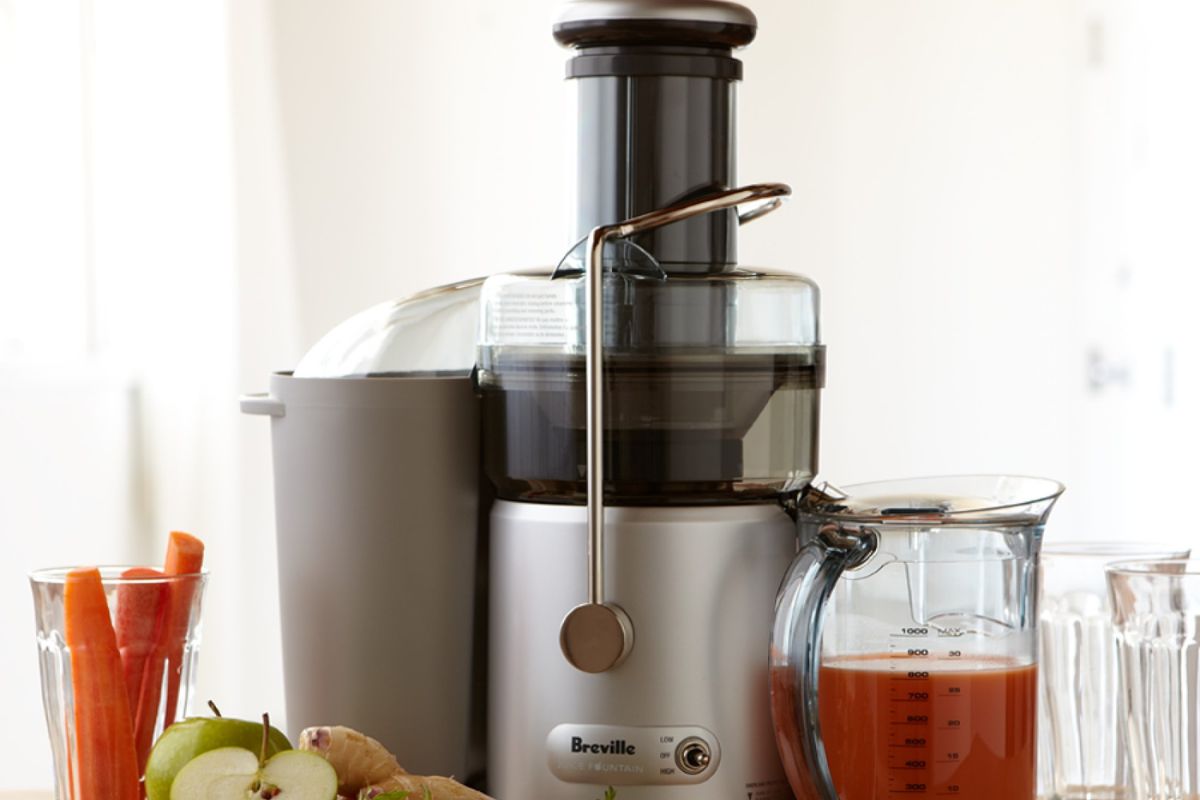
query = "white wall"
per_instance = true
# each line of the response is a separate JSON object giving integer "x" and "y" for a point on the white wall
{"x": 930, "y": 144}
{"x": 422, "y": 142}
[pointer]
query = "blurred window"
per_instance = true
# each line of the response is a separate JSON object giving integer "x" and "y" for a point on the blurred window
{"x": 46, "y": 303}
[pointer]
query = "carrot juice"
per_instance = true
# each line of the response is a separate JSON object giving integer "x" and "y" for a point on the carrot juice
{"x": 894, "y": 727}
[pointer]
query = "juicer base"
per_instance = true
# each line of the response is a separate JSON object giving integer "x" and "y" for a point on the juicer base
{"x": 688, "y": 711}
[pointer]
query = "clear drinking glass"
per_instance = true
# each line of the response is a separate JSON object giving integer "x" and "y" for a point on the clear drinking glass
{"x": 162, "y": 648}
{"x": 1080, "y": 729}
{"x": 1156, "y": 614}
{"x": 904, "y": 652}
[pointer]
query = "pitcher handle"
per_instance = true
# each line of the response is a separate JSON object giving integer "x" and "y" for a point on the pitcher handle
{"x": 796, "y": 641}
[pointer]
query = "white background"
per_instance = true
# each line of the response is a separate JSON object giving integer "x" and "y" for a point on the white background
{"x": 999, "y": 199}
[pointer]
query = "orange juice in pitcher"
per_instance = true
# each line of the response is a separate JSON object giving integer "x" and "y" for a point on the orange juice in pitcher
{"x": 903, "y": 658}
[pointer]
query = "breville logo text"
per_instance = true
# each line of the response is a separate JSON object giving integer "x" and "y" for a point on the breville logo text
{"x": 617, "y": 747}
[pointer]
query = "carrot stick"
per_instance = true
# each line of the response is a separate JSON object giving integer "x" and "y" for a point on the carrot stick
{"x": 105, "y": 765}
{"x": 139, "y": 606}
{"x": 185, "y": 556}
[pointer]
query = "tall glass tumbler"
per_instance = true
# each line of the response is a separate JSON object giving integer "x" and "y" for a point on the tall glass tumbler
{"x": 155, "y": 626}
{"x": 1156, "y": 613}
{"x": 1081, "y": 732}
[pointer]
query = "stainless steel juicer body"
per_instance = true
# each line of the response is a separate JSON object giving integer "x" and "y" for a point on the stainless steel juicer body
{"x": 688, "y": 706}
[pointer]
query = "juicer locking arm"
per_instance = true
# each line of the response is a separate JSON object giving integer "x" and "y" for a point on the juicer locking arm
{"x": 597, "y": 636}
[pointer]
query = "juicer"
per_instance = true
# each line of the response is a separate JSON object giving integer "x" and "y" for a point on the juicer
{"x": 645, "y": 413}
{"x": 648, "y": 419}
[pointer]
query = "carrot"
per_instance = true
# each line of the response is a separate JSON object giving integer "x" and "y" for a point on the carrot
{"x": 139, "y": 606}
{"x": 105, "y": 764}
{"x": 185, "y": 556}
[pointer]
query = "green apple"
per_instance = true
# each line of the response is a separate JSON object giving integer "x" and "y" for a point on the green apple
{"x": 183, "y": 741}
{"x": 234, "y": 773}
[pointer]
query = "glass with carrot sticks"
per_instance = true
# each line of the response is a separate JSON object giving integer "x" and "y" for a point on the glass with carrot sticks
{"x": 118, "y": 649}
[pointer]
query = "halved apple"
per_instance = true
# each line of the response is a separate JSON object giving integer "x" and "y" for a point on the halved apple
{"x": 234, "y": 773}
{"x": 183, "y": 741}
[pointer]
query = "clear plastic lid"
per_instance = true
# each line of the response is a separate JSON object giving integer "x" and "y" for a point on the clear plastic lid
{"x": 744, "y": 310}
{"x": 431, "y": 333}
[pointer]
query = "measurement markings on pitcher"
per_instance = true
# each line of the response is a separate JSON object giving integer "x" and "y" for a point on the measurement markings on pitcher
{"x": 925, "y": 699}
{"x": 953, "y": 740}
{"x": 909, "y": 699}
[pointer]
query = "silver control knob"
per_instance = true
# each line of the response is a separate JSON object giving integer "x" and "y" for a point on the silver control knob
{"x": 693, "y": 756}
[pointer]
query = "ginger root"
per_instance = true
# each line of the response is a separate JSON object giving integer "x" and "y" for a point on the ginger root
{"x": 359, "y": 760}
{"x": 366, "y": 769}
{"x": 419, "y": 787}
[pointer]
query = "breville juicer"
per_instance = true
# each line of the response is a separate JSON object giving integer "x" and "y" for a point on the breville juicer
{"x": 646, "y": 413}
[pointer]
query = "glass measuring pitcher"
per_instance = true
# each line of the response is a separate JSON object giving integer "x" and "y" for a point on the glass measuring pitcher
{"x": 903, "y": 654}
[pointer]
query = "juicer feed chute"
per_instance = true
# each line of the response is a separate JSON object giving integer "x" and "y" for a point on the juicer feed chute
{"x": 656, "y": 85}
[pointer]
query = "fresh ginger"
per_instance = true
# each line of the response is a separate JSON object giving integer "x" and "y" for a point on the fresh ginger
{"x": 420, "y": 787}
{"x": 359, "y": 760}
{"x": 367, "y": 770}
